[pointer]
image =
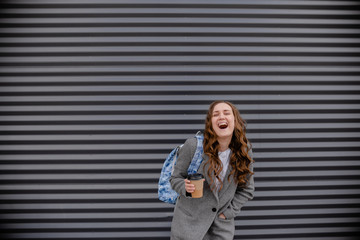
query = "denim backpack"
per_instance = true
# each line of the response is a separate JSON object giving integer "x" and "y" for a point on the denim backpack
{"x": 165, "y": 192}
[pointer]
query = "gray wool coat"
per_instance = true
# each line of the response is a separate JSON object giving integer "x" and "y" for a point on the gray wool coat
{"x": 198, "y": 218}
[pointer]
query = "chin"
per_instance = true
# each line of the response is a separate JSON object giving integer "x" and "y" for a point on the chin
{"x": 222, "y": 134}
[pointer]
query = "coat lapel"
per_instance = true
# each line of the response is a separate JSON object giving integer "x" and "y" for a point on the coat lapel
{"x": 226, "y": 182}
{"x": 204, "y": 170}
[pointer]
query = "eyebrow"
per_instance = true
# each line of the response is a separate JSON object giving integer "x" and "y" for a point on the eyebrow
{"x": 226, "y": 110}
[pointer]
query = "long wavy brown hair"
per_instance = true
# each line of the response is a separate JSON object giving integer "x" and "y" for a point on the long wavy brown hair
{"x": 240, "y": 146}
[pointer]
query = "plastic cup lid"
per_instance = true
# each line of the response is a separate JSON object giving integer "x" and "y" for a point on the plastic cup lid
{"x": 195, "y": 176}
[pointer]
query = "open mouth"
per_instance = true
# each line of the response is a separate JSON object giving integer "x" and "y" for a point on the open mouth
{"x": 223, "y": 125}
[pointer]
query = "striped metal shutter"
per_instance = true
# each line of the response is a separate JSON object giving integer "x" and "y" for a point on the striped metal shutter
{"x": 95, "y": 94}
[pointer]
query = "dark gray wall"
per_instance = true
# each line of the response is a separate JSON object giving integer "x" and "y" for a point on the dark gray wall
{"x": 94, "y": 94}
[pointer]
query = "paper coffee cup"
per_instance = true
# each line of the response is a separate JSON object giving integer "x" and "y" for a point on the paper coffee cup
{"x": 197, "y": 180}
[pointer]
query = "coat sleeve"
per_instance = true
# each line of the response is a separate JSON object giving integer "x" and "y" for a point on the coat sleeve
{"x": 186, "y": 154}
{"x": 242, "y": 195}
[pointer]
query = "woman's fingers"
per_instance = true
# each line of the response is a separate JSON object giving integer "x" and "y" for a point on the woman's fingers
{"x": 190, "y": 188}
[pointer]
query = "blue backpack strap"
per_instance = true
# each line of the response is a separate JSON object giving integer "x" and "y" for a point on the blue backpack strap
{"x": 197, "y": 159}
{"x": 165, "y": 192}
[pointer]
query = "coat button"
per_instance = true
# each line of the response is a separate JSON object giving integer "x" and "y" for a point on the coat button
{"x": 214, "y": 209}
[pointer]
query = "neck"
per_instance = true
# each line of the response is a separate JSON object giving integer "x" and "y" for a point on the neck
{"x": 224, "y": 143}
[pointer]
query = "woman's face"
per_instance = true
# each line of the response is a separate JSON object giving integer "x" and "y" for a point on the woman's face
{"x": 223, "y": 121}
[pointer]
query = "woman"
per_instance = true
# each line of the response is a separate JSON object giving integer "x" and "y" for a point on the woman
{"x": 229, "y": 183}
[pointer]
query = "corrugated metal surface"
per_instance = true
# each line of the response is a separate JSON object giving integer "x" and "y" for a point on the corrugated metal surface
{"x": 94, "y": 94}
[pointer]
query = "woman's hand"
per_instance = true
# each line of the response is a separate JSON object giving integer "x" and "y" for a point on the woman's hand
{"x": 190, "y": 188}
{"x": 222, "y": 216}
